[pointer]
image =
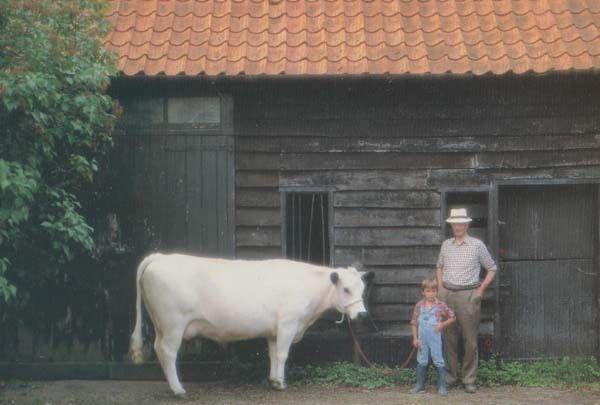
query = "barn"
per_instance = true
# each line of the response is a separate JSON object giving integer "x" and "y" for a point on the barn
{"x": 335, "y": 131}
{"x": 332, "y": 131}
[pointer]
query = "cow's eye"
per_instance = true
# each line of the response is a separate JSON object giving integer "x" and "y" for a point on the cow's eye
{"x": 347, "y": 291}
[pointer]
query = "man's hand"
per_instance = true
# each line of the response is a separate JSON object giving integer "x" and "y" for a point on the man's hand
{"x": 416, "y": 343}
{"x": 486, "y": 282}
{"x": 478, "y": 296}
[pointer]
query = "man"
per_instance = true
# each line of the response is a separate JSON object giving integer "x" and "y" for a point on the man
{"x": 459, "y": 263}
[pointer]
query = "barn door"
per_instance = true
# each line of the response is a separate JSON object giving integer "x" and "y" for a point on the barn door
{"x": 548, "y": 275}
{"x": 210, "y": 202}
{"x": 183, "y": 191}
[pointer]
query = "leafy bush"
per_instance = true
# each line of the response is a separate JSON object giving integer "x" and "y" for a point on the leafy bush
{"x": 55, "y": 125}
{"x": 565, "y": 373}
{"x": 348, "y": 374}
{"x": 568, "y": 372}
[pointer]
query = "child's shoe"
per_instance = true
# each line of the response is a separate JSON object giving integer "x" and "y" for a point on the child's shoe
{"x": 421, "y": 371}
{"x": 442, "y": 381}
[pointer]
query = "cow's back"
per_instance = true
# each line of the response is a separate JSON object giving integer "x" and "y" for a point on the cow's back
{"x": 229, "y": 299}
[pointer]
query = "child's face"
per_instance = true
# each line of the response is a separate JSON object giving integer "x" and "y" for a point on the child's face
{"x": 430, "y": 294}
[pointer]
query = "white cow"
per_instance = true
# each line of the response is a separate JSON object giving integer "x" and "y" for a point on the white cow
{"x": 230, "y": 300}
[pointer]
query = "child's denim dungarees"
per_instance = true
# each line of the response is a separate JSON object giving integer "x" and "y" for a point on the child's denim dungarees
{"x": 430, "y": 340}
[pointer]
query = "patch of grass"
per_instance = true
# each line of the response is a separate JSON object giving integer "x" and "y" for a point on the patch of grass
{"x": 568, "y": 373}
{"x": 347, "y": 374}
{"x": 565, "y": 373}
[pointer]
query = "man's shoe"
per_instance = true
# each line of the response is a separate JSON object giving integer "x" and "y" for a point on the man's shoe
{"x": 470, "y": 388}
{"x": 452, "y": 384}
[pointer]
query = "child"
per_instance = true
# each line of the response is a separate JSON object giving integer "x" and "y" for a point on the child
{"x": 430, "y": 317}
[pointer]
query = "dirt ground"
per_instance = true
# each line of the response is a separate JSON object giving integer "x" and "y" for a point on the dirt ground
{"x": 156, "y": 392}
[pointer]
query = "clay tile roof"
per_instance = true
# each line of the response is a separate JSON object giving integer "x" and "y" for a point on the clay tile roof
{"x": 338, "y": 37}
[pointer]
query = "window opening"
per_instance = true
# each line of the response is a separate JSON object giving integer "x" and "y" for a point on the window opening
{"x": 307, "y": 227}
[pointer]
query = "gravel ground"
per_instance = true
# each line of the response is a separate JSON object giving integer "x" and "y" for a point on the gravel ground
{"x": 156, "y": 392}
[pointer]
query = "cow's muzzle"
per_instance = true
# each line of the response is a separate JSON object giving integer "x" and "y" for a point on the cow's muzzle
{"x": 351, "y": 303}
{"x": 355, "y": 309}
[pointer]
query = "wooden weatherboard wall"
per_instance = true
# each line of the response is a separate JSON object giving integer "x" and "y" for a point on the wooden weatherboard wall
{"x": 388, "y": 150}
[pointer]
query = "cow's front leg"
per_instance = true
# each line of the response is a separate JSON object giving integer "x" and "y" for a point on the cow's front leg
{"x": 273, "y": 358}
{"x": 285, "y": 335}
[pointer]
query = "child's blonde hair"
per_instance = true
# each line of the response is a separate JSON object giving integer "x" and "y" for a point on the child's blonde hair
{"x": 429, "y": 283}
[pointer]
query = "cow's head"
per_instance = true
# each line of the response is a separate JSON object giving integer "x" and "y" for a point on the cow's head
{"x": 349, "y": 289}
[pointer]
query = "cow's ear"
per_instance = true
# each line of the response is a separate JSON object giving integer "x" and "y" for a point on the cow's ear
{"x": 334, "y": 277}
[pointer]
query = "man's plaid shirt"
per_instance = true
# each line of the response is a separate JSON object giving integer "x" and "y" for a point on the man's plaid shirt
{"x": 461, "y": 263}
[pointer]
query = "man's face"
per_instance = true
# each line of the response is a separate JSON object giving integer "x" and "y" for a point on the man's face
{"x": 459, "y": 230}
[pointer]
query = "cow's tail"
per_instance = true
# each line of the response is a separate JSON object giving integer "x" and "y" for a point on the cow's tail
{"x": 136, "y": 342}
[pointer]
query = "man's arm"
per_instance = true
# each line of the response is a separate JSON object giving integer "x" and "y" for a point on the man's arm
{"x": 486, "y": 260}
{"x": 486, "y": 282}
{"x": 438, "y": 276}
{"x": 439, "y": 268}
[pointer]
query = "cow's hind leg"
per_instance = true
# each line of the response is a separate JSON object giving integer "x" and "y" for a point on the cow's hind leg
{"x": 273, "y": 358}
{"x": 285, "y": 335}
{"x": 166, "y": 347}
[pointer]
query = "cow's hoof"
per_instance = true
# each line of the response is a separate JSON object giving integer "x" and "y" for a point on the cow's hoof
{"x": 179, "y": 393}
{"x": 278, "y": 385}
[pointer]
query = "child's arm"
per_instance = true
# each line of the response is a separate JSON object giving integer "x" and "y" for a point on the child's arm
{"x": 450, "y": 319}
{"x": 415, "y": 341}
{"x": 414, "y": 327}
{"x": 443, "y": 325}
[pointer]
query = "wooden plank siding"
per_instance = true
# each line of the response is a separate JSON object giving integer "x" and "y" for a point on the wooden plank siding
{"x": 387, "y": 149}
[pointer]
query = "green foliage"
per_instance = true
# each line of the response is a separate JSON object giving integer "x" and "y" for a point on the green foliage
{"x": 55, "y": 125}
{"x": 568, "y": 372}
{"x": 350, "y": 374}
{"x": 565, "y": 373}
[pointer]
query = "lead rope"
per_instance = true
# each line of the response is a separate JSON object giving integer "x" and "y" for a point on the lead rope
{"x": 361, "y": 353}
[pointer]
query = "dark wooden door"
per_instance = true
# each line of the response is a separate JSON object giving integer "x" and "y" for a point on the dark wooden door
{"x": 210, "y": 185}
{"x": 184, "y": 192}
{"x": 548, "y": 275}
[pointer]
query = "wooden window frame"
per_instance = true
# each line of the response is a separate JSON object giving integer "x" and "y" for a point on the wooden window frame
{"x": 225, "y": 126}
{"x": 283, "y": 191}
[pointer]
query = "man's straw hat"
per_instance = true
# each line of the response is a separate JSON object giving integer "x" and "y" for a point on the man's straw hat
{"x": 458, "y": 216}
